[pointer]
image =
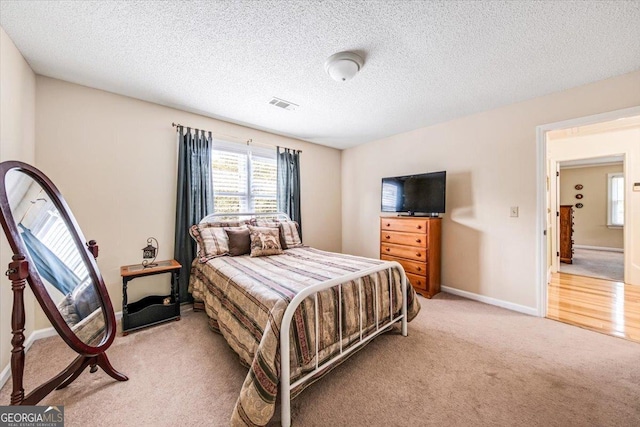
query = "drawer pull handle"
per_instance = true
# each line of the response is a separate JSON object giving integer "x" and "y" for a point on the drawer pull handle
{"x": 419, "y": 227}
{"x": 387, "y": 237}
{"x": 418, "y": 241}
{"x": 388, "y": 225}
{"x": 419, "y": 269}
{"x": 418, "y": 254}
{"x": 388, "y": 250}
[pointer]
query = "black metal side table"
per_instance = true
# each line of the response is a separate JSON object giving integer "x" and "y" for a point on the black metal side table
{"x": 152, "y": 309}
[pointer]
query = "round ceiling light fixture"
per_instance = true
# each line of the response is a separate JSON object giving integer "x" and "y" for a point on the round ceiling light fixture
{"x": 342, "y": 66}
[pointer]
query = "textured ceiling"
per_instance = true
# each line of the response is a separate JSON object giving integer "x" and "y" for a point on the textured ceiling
{"x": 425, "y": 62}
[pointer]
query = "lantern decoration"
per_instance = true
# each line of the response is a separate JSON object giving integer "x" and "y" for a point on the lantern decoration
{"x": 149, "y": 253}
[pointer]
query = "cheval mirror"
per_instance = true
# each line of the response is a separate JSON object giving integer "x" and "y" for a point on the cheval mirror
{"x": 51, "y": 254}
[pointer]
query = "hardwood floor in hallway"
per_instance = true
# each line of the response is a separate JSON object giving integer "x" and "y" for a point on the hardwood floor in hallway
{"x": 601, "y": 305}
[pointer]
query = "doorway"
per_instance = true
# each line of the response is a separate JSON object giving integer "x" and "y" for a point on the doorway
{"x": 590, "y": 193}
{"x": 596, "y": 287}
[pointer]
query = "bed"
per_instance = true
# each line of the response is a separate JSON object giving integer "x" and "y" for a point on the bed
{"x": 317, "y": 307}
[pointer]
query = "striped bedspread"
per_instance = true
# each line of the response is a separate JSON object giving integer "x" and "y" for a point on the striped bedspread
{"x": 245, "y": 299}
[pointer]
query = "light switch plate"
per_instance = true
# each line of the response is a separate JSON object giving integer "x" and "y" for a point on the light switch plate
{"x": 514, "y": 211}
{"x": 636, "y": 186}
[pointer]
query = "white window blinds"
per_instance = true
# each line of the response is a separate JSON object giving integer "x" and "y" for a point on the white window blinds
{"x": 244, "y": 178}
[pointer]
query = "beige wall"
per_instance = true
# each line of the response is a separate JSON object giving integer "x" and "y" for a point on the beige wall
{"x": 490, "y": 159}
{"x": 114, "y": 160}
{"x": 590, "y": 221}
{"x": 17, "y": 129}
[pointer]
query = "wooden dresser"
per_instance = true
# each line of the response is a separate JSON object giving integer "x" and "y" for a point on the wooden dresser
{"x": 415, "y": 244}
{"x": 566, "y": 234}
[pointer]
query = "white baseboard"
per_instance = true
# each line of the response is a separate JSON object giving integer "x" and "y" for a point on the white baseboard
{"x": 492, "y": 301}
{"x": 33, "y": 337}
{"x": 599, "y": 248}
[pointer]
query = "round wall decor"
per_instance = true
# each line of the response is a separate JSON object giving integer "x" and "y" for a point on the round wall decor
{"x": 579, "y": 196}
{"x": 578, "y": 187}
{"x": 579, "y": 205}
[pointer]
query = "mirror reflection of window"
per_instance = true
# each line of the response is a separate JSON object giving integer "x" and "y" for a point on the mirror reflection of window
{"x": 55, "y": 235}
{"x": 47, "y": 238}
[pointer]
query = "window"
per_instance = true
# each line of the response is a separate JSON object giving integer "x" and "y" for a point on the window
{"x": 244, "y": 178}
{"x": 615, "y": 200}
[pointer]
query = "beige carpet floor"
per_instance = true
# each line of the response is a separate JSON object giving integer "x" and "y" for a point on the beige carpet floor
{"x": 593, "y": 263}
{"x": 463, "y": 364}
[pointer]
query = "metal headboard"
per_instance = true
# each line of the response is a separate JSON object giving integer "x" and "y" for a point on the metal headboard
{"x": 221, "y": 217}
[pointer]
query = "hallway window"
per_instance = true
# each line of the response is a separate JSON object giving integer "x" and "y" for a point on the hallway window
{"x": 615, "y": 200}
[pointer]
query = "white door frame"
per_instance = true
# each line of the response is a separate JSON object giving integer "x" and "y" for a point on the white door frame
{"x": 541, "y": 180}
{"x": 554, "y": 206}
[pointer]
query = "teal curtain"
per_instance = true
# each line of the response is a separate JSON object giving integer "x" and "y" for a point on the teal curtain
{"x": 288, "y": 164}
{"x": 194, "y": 196}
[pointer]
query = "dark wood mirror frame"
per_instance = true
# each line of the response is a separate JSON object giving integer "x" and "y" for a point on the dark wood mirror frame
{"x": 21, "y": 270}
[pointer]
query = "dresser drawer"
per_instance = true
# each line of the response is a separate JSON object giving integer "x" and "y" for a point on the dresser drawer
{"x": 410, "y": 225}
{"x": 418, "y": 282}
{"x": 414, "y": 267}
{"x": 409, "y": 239}
{"x": 416, "y": 254}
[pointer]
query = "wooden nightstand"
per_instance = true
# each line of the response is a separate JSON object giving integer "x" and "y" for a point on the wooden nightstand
{"x": 152, "y": 309}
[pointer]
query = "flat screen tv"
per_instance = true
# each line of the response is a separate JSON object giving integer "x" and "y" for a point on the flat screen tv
{"x": 422, "y": 194}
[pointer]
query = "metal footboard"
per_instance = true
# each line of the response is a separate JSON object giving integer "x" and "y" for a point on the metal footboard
{"x": 285, "y": 369}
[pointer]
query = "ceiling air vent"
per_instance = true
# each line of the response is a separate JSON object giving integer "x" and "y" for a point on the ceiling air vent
{"x": 281, "y": 103}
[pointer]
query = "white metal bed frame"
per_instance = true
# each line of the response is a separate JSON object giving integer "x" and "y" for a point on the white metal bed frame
{"x": 285, "y": 369}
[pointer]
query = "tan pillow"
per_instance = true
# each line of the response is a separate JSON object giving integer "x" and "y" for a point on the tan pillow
{"x": 265, "y": 241}
{"x": 212, "y": 241}
{"x": 264, "y": 222}
{"x": 289, "y": 235}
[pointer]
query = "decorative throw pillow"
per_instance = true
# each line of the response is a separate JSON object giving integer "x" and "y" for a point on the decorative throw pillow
{"x": 290, "y": 235}
{"x": 264, "y": 222}
{"x": 239, "y": 241}
{"x": 212, "y": 241}
{"x": 265, "y": 241}
{"x": 273, "y": 223}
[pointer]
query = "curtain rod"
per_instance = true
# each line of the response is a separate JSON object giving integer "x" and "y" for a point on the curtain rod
{"x": 248, "y": 141}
